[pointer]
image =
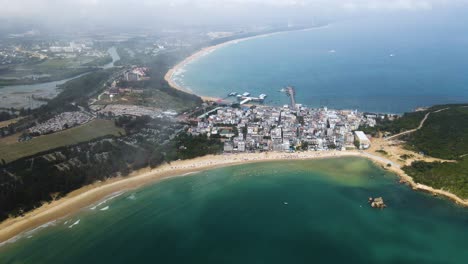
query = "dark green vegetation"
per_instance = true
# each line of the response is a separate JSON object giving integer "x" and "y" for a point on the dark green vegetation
{"x": 48, "y": 70}
{"x": 30, "y": 178}
{"x": 295, "y": 211}
{"x": 75, "y": 94}
{"x": 406, "y": 156}
{"x": 99, "y": 61}
{"x": 449, "y": 176}
{"x": 382, "y": 151}
{"x": 158, "y": 93}
{"x": 394, "y": 124}
{"x": 188, "y": 146}
{"x": 444, "y": 135}
{"x": 56, "y": 77}
{"x": 76, "y": 157}
{"x": 78, "y": 91}
{"x": 27, "y": 182}
{"x": 4, "y": 116}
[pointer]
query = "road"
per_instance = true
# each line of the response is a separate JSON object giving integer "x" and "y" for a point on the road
{"x": 421, "y": 124}
{"x": 379, "y": 158}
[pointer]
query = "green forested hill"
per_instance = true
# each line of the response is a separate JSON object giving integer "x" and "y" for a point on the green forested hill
{"x": 444, "y": 135}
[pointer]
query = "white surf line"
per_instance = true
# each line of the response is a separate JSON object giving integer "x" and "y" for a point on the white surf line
{"x": 108, "y": 198}
{"x": 74, "y": 224}
{"x": 27, "y": 234}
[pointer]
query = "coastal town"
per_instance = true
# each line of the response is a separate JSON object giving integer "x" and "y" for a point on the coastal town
{"x": 204, "y": 132}
{"x": 270, "y": 128}
{"x": 242, "y": 125}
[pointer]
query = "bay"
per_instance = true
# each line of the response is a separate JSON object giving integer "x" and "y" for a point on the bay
{"x": 283, "y": 212}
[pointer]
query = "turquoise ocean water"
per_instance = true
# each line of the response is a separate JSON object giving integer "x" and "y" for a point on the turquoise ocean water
{"x": 281, "y": 212}
{"x": 387, "y": 64}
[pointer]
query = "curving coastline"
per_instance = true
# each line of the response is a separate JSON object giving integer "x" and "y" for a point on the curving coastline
{"x": 207, "y": 50}
{"x": 86, "y": 196}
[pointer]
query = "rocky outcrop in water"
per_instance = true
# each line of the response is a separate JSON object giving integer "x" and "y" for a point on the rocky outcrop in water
{"x": 377, "y": 203}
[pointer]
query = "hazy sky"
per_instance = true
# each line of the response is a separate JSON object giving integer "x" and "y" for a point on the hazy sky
{"x": 205, "y": 11}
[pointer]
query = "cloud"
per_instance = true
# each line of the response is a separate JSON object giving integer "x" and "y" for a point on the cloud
{"x": 187, "y": 11}
{"x": 390, "y": 5}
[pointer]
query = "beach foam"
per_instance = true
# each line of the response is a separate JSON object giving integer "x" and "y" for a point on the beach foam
{"x": 110, "y": 197}
{"x": 28, "y": 234}
{"x": 74, "y": 224}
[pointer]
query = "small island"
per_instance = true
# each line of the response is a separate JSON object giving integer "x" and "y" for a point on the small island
{"x": 377, "y": 203}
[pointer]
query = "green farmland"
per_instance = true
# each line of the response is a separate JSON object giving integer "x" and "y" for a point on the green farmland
{"x": 94, "y": 129}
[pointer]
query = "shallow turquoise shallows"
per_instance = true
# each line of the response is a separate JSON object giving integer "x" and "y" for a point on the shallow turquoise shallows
{"x": 281, "y": 212}
{"x": 386, "y": 64}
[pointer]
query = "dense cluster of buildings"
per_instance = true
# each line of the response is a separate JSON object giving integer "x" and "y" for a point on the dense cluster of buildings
{"x": 71, "y": 47}
{"x": 14, "y": 55}
{"x": 130, "y": 110}
{"x": 268, "y": 128}
{"x": 24, "y": 52}
{"x": 62, "y": 121}
{"x": 136, "y": 74}
{"x": 120, "y": 85}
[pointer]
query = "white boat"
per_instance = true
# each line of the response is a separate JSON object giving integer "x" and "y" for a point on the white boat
{"x": 246, "y": 94}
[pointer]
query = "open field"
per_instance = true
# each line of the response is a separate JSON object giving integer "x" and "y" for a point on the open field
{"x": 9, "y": 122}
{"x": 97, "y": 128}
{"x": 50, "y": 70}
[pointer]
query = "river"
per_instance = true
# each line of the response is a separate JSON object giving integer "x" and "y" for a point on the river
{"x": 19, "y": 96}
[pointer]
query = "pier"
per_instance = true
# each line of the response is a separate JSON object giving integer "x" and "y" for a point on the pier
{"x": 246, "y": 98}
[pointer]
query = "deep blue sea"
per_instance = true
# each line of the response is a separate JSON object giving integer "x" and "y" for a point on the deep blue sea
{"x": 371, "y": 64}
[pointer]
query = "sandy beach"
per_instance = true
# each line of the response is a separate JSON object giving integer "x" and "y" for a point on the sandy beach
{"x": 94, "y": 193}
{"x": 205, "y": 51}
{"x": 91, "y": 194}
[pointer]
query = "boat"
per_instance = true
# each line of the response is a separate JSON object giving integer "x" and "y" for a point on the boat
{"x": 246, "y": 94}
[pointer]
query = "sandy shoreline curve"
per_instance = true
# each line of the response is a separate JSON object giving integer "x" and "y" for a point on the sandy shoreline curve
{"x": 91, "y": 194}
{"x": 207, "y": 50}
{"x": 88, "y": 195}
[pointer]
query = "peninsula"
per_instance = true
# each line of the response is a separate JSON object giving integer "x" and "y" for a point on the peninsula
{"x": 144, "y": 142}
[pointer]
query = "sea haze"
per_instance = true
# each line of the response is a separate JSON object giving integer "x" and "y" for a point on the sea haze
{"x": 371, "y": 64}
